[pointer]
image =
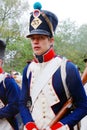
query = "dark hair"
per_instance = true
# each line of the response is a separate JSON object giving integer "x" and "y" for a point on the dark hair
{"x": 2, "y": 49}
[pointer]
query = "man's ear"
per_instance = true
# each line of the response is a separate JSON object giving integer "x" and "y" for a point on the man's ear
{"x": 52, "y": 41}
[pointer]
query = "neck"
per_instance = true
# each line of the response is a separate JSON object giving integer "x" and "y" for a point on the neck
{"x": 48, "y": 55}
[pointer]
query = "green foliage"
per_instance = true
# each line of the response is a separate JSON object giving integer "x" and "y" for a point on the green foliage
{"x": 23, "y": 54}
{"x": 10, "y": 16}
{"x": 73, "y": 52}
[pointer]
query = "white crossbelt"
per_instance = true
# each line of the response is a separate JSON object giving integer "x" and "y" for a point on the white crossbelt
{"x": 47, "y": 73}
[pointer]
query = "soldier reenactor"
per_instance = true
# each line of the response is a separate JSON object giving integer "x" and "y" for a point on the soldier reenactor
{"x": 46, "y": 87}
{"x": 9, "y": 96}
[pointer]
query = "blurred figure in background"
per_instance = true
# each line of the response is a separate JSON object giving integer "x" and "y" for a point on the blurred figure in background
{"x": 18, "y": 77}
{"x": 9, "y": 95}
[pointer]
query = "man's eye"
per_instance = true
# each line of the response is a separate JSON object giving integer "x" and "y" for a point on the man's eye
{"x": 32, "y": 38}
{"x": 42, "y": 37}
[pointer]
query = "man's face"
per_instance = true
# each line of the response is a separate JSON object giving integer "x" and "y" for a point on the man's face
{"x": 41, "y": 43}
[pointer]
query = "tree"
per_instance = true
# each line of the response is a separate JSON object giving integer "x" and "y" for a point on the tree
{"x": 67, "y": 30}
{"x": 10, "y": 16}
{"x": 17, "y": 55}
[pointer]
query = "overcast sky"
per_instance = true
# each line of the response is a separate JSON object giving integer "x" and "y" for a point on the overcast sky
{"x": 76, "y": 10}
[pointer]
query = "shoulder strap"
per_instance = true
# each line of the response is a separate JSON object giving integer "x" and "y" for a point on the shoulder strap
{"x": 48, "y": 71}
{"x": 63, "y": 77}
{"x": 2, "y": 78}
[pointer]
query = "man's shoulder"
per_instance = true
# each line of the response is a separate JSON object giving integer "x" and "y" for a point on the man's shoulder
{"x": 3, "y": 76}
{"x": 8, "y": 79}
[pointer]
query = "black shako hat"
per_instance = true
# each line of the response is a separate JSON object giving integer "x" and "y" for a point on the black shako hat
{"x": 85, "y": 60}
{"x": 42, "y": 22}
{"x": 2, "y": 49}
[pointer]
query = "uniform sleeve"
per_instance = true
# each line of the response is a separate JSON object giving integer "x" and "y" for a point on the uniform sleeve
{"x": 24, "y": 99}
{"x": 11, "y": 97}
{"x": 78, "y": 94}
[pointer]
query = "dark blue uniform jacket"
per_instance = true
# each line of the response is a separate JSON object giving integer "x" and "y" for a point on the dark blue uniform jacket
{"x": 76, "y": 90}
{"x": 9, "y": 94}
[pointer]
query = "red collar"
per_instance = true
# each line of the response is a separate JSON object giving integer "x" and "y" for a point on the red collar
{"x": 45, "y": 57}
{"x": 1, "y": 70}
